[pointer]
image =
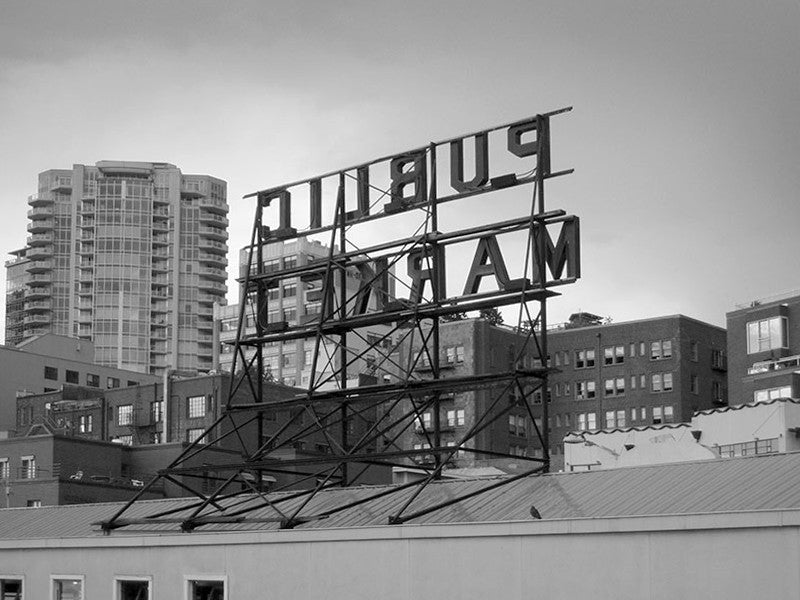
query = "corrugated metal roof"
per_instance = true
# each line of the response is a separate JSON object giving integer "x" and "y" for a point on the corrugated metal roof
{"x": 739, "y": 484}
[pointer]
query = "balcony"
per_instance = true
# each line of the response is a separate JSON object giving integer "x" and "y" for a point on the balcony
{"x": 37, "y": 305}
{"x": 212, "y": 286}
{"x": 789, "y": 362}
{"x": 158, "y": 348}
{"x": 219, "y": 220}
{"x": 160, "y": 266}
{"x": 213, "y": 232}
{"x": 205, "y": 338}
{"x": 36, "y": 320}
{"x": 214, "y": 246}
{"x": 87, "y": 235}
{"x": 191, "y": 189}
{"x": 41, "y": 212}
{"x": 43, "y": 199}
{"x": 40, "y": 266}
{"x": 160, "y": 226}
{"x": 161, "y": 253}
{"x": 205, "y": 311}
{"x": 159, "y": 307}
{"x": 213, "y": 273}
{"x": 39, "y": 252}
{"x": 205, "y": 324}
{"x": 212, "y": 259}
{"x": 36, "y": 292}
{"x": 40, "y": 239}
{"x": 86, "y": 222}
{"x": 85, "y": 289}
{"x": 40, "y": 278}
{"x": 86, "y": 247}
{"x": 213, "y": 205}
{"x": 162, "y": 212}
{"x": 40, "y": 226}
{"x": 61, "y": 185}
{"x": 158, "y": 332}
{"x": 84, "y": 316}
{"x": 160, "y": 239}
{"x": 86, "y": 263}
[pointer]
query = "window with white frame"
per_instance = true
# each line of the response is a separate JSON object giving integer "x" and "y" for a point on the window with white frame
{"x": 767, "y": 334}
{"x": 194, "y": 435}
{"x": 5, "y": 471}
{"x": 455, "y": 417}
{"x": 661, "y": 382}
{"x": 615, "y": 386}
{"x": 196, "y": 406}
{"x": 84, "y": 425}
{"x": 587, "y": 421}
{"x": 131, "y": 588}
{"x": 125, "y": 414}
{"x": 10, "y": 588}
{"x": 27, "y": 467}
{"x": 67, "y": 587}
{"x": 205, "y": 589}
{"x": 660, "y": 349}
{"x": 585, "y": 390}
{"x": 584, "y": 359}
{"x": 613, "y": 355}
{"x": 424, "y": 422}
{"x": 774, "y": 393}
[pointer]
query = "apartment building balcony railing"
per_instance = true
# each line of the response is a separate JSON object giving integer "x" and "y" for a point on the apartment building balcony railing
{"x": 86, "y": 246}
{"x": 160, "y": 239}
{"x": 161, "y": 212}
{"x": 160, "y": 266}
{"x": 158, "y": 348}
{"x": 159, "y": 307}
{"x": 36, "y": 319}
{"x": 764, "y": 366}
{"x": 160, "y": 226}
{"x": 40, "y": 239}
{"x": 86, "y": 222}
{"x": 209, "y": 217}
{"x": 38, "y": 305}
{"x": 212, "y": 286}
{"x": 214, "y": 246}
{"x": 40, "y": 212}
{"x": 213, "y": 273}
{"x": 40, "y": 266}
{"x": 212, "y": 232}
{"x": 41, "y": 225}
{"x": 62, "y": 184}
{"x": 84, "y": 316}
{"x": 39, "y": 252}
{"x": 161, "y": 253}
{"x": 43, "y": 199}
{"x": 37, "y": 291}
{"x": 40, "y": 278}
{"x": 158, "y": 333}
{"x": 213, "y": 259}
{"x": 213, "y": 205}
{"x": 206, "y": 324}
{"x": 205, "y": 338}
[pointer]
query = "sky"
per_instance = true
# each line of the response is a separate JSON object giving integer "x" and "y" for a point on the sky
{"x": 683, "y": 136}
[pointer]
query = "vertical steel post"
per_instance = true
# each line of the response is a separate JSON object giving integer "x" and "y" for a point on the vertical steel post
{"x": 542, "y": 131}
{"x": 342, "y": 213}
{"x": 437, "y": 298}
{"x": 261, "y": 312}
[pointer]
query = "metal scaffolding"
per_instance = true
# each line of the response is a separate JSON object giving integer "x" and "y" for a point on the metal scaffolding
{"x": 363, "y": 427}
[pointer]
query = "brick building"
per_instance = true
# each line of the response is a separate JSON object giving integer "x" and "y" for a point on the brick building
{"x": 764, "y": 350}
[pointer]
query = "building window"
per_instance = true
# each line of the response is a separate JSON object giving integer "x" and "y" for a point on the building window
{"x": 27, "y": 467}
{"x": 585, "y": 390}
{"x": 131, "y": 588}
{"x": 633, "y": 382}
{"x": 516, "y": 425}
{"x": 68, "y": 587}
{"x": 695, "y": 384}
{"x": 194, "y": 435}
{"x": 112, "y": 382}
{"x": 455, "y": 418}
{"x": 584, "y": 359}
{"x": 196, "y": 406}
{"x": 768, "y": 446}
{"x": 615, "y": 418}
{"x": 156, "y": 411}
{"x": 33, "y": 503}
{"x": 289, "y": 262}
{"x": 767, "y": 334}
{"x": 661, "y": 382}
{"x": 51, "y": 373}
{"x": 768, "y": 394}
{"x": 290, "y": 290}
{"x": 663, "y": 414}
{"x": 587, "y": 421}
{"x": 660, "y": 349}
{"x": 717, "y": 359}
{"x": 85, "y": 424}
{"x": 93, "y": 380}
{"x": 71, "y": 377}
{"x": 632, "y": 349}
{"x": 455, "y": 354}
{"x": 10, "y": 589}
{"x": 695, "y": 351}
{"x": 613, "y": 355}
{"x": 423, "y": 422}
{"x": 132, "y": 383}
{"x": 5, "y": 471}
{"x": 125, "y": 414}
{"x": 615, "y": 386}
{"x": 289, "y": 314}
{"x": 125, "y": 440}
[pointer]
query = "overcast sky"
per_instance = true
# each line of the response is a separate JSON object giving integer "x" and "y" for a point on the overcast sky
{"x": 685, "y": 133}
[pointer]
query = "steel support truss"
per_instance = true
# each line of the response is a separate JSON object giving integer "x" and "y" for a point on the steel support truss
{"x": 368, "y": 426}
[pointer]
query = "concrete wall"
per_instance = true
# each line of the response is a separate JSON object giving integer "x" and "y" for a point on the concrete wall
{"x": 651, "y": 558}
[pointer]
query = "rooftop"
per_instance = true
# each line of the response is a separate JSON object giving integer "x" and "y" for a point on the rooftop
{"x": 754, "y": 483}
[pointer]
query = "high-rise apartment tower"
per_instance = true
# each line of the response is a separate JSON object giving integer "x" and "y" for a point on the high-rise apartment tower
{"x": 131, "y": 255}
